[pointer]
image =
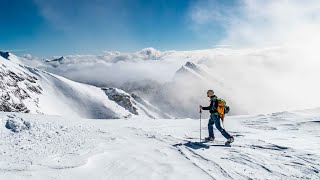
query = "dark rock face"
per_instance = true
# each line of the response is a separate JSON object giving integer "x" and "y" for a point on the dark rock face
{"x": 15, "y": 87}
{"x": 32, "y": 88}
{"x": 13, "y": 107}
{"x": 192, "y": 66}
{"x": 55, "y": 60}
{"x": 121, "y": 99}
{"x": 4, "y": 54}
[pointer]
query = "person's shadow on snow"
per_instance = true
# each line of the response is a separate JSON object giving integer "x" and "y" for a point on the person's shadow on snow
{"x": 193, "y": 145}
{"x": 199, "y": 145}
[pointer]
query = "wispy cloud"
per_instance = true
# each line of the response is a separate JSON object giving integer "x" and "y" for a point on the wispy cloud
{"x": 210, "y": 11}
{"x": 72, "y": 16}
{"x": 261, "y": 23}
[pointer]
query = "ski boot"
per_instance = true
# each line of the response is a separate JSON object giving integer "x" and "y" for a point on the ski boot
{"x": 208, "y": 139}
{"x": 229, "y": 141}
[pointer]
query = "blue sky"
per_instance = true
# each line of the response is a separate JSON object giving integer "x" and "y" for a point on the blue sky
{"x": 61, "y": 27}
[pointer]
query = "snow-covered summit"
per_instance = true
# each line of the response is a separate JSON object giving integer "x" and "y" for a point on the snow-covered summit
{"x": 189, "y": 70}
{"x": 192, "y": 71}
{"x": 192, "y": 66}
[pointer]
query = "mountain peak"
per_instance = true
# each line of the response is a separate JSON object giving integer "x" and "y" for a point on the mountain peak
{"x": 55, "y": 59}
{"x": 191, "y": 65}
{"x": 189, "y": 70}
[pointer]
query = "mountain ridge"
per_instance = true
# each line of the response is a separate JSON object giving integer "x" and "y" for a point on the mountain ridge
{"x": 30, "y": 90}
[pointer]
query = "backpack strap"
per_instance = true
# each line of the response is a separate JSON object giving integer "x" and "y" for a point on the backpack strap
{"x": 214, "y": 99}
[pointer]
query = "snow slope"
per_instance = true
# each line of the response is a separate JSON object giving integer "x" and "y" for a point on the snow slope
{"x": 281, "y": 145}
{"x": 26, "y": 89}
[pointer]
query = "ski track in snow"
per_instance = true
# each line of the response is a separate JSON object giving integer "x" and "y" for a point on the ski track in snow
{"x": 273, "y": 146}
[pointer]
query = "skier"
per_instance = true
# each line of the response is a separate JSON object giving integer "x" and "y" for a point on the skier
{"x": 215, "y": 119}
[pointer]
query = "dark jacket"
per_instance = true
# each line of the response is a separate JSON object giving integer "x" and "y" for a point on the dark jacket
{"x": 213, "y": 105}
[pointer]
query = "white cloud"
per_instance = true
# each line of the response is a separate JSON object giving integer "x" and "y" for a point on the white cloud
{"x": 261, "y": 23}
{"x": 206, "y": 12}
{"x": 113, "y": 67}
{"x": 28, "y": 56}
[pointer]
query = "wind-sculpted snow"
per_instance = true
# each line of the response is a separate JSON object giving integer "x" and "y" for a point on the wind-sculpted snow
{"x": 281, "y": 145}
{"x": 29, "y": 142}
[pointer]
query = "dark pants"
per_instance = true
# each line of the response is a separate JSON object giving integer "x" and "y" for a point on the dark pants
{"x": 215, "y": 119}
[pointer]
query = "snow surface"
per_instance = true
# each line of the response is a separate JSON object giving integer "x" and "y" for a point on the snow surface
{"x": 281, "y": 145}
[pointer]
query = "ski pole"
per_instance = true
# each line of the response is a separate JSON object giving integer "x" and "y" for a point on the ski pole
{"x": 200, "y": 124}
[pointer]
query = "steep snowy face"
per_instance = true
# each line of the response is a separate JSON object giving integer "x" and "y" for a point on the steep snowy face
{"x": 18, "y": 89}
{"x": 29, "y": 90}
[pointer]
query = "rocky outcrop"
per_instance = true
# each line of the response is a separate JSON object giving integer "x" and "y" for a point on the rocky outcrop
{"x": 15, "y": 88}
{"x": 16, "y": 124}
{"x": 122, "y": 99}
{"x": 5, "y": 55}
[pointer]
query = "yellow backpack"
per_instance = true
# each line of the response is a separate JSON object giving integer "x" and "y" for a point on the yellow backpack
{"x": 222, "y": 108}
